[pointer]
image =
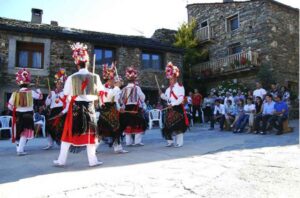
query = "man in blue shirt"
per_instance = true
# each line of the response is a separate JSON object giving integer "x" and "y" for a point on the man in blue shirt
{"x": 280, "y": 114}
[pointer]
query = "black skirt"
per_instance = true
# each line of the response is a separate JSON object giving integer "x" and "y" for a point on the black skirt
{"x": 84, "y": 118}
{"x": 55, "y": 126}
{"x": 24, "y": 120}
{"x": 174, "y": 122}
{"x": 109, "y": 122}
{"x": 132, "y": 123}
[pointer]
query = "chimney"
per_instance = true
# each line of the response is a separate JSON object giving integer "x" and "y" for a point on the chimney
{"x": 54, "y": 23}
{"x": 227, "y": 1}
{"x": 36, "y": 15}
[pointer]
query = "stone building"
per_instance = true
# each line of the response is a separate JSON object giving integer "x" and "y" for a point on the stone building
{"x": 43, "y": 48}
{"x": 243, "y": 37}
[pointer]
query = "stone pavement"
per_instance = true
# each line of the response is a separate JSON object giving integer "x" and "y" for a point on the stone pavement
{"x": 211, "y": 164}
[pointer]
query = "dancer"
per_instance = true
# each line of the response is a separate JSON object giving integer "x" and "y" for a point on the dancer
{"x": 57, "y": 102}
{"x": 132, "y": 119}
{"x": 21, "y": 104}
{"x": 176, "y": 120}
{"x": 80, "y": 127}
{"x": 109, "y": 122}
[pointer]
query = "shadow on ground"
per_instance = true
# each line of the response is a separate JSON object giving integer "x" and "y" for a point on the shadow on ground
{"x": 199, "y": 141}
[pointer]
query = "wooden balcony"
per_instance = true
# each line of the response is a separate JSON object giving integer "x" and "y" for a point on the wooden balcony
{"x": 245, "y": 60}
{"x": 204, "y": 34}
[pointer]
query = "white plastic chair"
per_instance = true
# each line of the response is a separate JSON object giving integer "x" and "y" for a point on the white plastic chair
{"x": 155, "y": 115}
{"x": 4, "y": 121}
{"x": 41, "y": 122}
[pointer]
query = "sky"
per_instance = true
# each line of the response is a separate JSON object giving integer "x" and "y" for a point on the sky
{"x": 128, "y": 17}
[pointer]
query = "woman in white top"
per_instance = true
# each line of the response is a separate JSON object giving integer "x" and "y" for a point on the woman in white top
{"x": 21, "y": 104}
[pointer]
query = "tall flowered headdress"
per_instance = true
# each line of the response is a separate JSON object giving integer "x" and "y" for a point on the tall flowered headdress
{"x": 131, "y": 73}
{"x": 60, "y": 76}
{"x": 172, "y": 71}
{"x": 108, "y": 72}
{"x": 80, "y": 53}
{"x": 23, "y": 76}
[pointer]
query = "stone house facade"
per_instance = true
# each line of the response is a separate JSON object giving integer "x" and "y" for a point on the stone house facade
{"x": 244, "y": 36}
{"x": 44, "y": 48}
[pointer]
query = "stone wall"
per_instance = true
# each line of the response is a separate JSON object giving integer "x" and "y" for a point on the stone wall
{"x": 283, "y": 43}
{"x": 268, "y": 27}
{"x": 60, "y": 56}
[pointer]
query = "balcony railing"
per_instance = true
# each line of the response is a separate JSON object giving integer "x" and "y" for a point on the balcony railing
{"x": 235, "y": 62}
{"x": 204, "y": 34}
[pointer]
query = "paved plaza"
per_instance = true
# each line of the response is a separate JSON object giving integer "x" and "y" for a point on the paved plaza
{"x": 211, "y": 164}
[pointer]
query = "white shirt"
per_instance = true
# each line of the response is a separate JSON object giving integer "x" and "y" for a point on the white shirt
{"x": 35, "y": 95}
{"x": 220, "y": 109}
{"x": 54, "y": 101}
{"x": 130, "y": 97}
{"x": 178, "y": 91}
{"x": 110, "y": 95}
{"x": 259, "y": 92}
{"x": 68, "y": 88}
{"x": 248, "y": 108}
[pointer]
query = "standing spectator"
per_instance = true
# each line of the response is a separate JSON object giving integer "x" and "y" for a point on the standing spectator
{"x": 274, "y": 91}
{"x": 249, "y": 95}
{"x": 230, "y": 112}
{"x": 268, "y": 109}
{"x": 280, "y": 114}
{"x": 259, "y": 91}
{"x": 190, "y": 101}
{"x": 238, "y": 96}
{"x": 244, "y": 118}
{"x": 285, "y": 95}
{"x": 228, "y": 97}
{"x": 197, "y": 101}
{"x": 148, "y": 106}
{"x": 219, "y": 115}
{"x": 208, "y": 106}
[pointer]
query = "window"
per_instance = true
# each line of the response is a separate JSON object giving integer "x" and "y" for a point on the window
{"x": 235, "y": 48}
{"x": 30, "y": 55}
{"x": 151, "y": 61}
{"x": 233, "y": 23}
{"x": 104, "y": 56}
{"x": 203, "y": 24}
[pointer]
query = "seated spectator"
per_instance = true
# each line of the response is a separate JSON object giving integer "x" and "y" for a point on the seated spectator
{"x": 244, "y": 118}
{"x": 280, "y": 114}
{"x": 38, "y": 119}
{"x": 239, "y": 112}
{"x": 159, "y": 106}
{"x": 219, "y": 115}
{"x": 230, "y": 112}
{"x": 258, "y": 111}
{"x": 268, "y": 109}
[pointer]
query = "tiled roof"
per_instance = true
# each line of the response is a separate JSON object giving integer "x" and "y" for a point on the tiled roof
{"x": 84, "y": 35}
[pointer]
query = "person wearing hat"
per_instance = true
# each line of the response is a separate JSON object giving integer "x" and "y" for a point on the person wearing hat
{"x": 21, "y": 104}
{"x": 176, "y": 120}
{"x": 81, "y": 89}
{"x": 133, "y": 122}
{"x": 57, "y": 102}
{"x": 109, "y": 122}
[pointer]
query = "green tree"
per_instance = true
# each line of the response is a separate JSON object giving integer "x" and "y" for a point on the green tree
{"x": 194, "y": 53}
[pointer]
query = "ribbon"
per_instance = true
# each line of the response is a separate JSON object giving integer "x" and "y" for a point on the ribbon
{"x": 14, "y": 120}
{"x": 64, "y": 101}
{"x": 67, "y": 132}
{"x": 84, "y": 84}
{"x": 186, "y": 119}
{"x": 102, "y": 94}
